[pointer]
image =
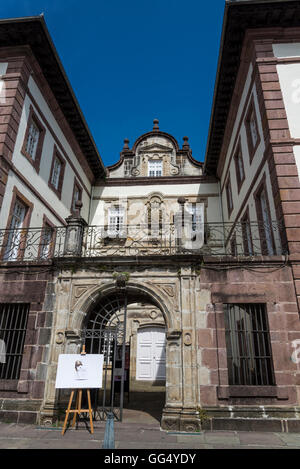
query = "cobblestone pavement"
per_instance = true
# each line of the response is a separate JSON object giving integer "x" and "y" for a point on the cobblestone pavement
{"x": 137, "y": 435}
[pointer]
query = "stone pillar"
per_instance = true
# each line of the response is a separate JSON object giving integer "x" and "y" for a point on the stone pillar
{"x": 189, "y": 420}
{"x": 63, "y": 340}
{"x": 74, "y": 236}
{"x": 173, "y": 406}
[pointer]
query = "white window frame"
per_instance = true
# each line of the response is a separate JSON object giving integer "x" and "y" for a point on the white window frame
{"x": 14, "y": 236}
{"x": 253, "y": 128}
{"x": 116, "y": 221}
{"x": 46, "y": 241}
{"x": 32, "y": 140}
{"x": 155, "y": 168}
{"x": 56, "y": 172}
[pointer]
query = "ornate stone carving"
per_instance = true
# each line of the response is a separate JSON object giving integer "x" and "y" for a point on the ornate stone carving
{"x": 80, "y": 290}
{"x": 60, "y": 337}
{"x": 170, "y": 424}
{"x": 169, "y": 289}
{"x": 187, "y": 338}
{"x": 174, "y": 334}
{"x": 153, "y": 315}
{"x": 46, "y": 421}
{"x": 190, "y": 427}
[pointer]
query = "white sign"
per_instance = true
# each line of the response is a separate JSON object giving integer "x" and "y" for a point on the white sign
{"x": 75, "y": 371}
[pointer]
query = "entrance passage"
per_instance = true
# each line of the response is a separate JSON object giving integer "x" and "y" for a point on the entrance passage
{"x": 118, "y": 326}
{"x": 151, "y": 354}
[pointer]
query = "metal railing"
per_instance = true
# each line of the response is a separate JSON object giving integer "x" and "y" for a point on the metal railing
{"x": 242, "y": 239}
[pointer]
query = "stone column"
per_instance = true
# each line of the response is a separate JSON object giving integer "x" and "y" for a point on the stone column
{"x": 62, "y": 341}
{"x": 74, "y": 236}
{"x": 173, "y": 406}
{"x": 189, "y": 416}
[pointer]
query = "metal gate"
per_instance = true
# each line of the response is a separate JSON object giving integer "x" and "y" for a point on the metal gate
{"x": 105, "y": 333}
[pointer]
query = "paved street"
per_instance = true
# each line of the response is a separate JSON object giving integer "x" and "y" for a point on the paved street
{"x": 139, "y": 436}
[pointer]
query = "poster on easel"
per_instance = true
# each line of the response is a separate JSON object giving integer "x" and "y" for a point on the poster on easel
{"x": 77, "y": 371}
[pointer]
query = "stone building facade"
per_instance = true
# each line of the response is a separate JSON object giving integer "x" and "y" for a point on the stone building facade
{"x": 200, "y": 261}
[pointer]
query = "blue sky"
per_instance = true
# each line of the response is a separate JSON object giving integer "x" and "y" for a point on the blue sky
{"x": 130, "y": 61}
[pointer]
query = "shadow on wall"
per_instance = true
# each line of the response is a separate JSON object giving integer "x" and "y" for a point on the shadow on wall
{"x": 151, "y": 403}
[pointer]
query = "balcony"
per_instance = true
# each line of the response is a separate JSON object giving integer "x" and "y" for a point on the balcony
{"x": 76, "y": 240}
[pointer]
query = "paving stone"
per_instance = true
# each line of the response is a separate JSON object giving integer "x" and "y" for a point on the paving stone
{"x": 221, "y": 438}
{"x": 191, "y": 439}
{"x": 13, "y": 436}
{"x": 290, "y": 438}
{"x": 262, "y": 439}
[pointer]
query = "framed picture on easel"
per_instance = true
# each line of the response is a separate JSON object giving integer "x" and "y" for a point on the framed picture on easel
{"x": 77, "y": 371}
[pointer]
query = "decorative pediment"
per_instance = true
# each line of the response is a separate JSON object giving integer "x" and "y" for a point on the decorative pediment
{"x": 155, "y": 148}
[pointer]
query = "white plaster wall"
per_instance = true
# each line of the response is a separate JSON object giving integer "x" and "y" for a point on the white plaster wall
{"x": 289, "y": 78}
{"x": 40, "y": 181}
{"x": 296, "y": 149}
{"x": 57, "y": 130}
{"x": 3, "y": 68}
{"x": 250, "y": 169}
{"x": 170, "y": 193}
{"x": 286, "y": 50}
{"x": 39, "y": 209}
{"x": 237, "y": 120}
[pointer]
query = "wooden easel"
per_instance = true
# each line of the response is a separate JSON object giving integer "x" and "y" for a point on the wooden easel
{"x": 78, "y": 410}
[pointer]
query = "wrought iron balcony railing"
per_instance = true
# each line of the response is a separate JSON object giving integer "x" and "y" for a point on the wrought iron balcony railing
{"x": 211, "y": 239}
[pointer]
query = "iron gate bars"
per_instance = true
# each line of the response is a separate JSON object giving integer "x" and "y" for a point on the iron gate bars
{"x": 13, "y": 324}
{"x": 105, "y": 333}
{"x": 248, "y": 345}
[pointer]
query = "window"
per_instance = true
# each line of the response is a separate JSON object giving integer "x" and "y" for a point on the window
{"x": 233, "y": 246}
{"x": 13, "y": 323}
{"x": 115, "y": 220}
{"x": 248, "y": 344}
{"x": 264, "y": 221}
{"x": 196, "y": 210}
{"x": 14, "y": 237}
{"x": 155, "y": 218}
{"x": 247, "y": 235}
{"x": 57, "y": 173}
{"x": 251, "y": 125}
{"x": 253, "y": 129}
{"x": 77, "y": 194}
{"x": 33, "y": 141}
{"x": 155, "y": 168}
{"x": 127, "y": 167}
{"x": 239, "y": 167}
{"x": 47, "y": 241}
{"x": 229, "y": 197}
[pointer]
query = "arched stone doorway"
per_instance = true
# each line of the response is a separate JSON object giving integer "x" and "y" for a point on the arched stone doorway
{"x": 114, "y": 321}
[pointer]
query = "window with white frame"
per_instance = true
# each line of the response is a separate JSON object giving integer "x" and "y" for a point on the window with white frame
{"x": 155, "y": 168}
{"x": 57, "y": 165}
{"x": 196, "y": 224}
{"x": 46, "y": 241}
{"x": 268, "y": 247}
{"x": 115, "y": 220}
{"x": 14, "y": 234}
{"x": 253, "y": 128}
{"x": 229, "y": 197}
{"x": 32, "y": 140}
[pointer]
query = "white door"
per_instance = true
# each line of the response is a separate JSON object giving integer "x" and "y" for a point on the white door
{"x": 151, "y": 354}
